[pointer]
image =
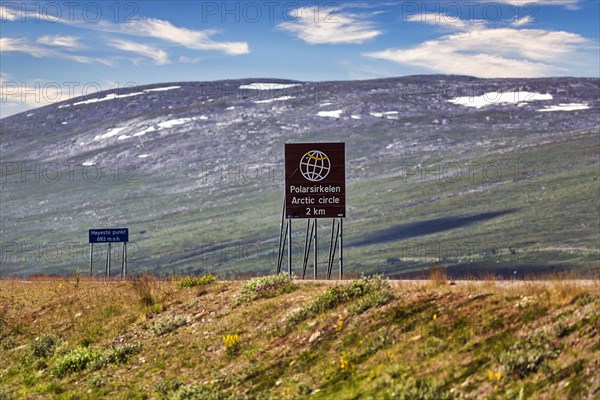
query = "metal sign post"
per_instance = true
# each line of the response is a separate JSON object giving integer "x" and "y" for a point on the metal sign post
{"x": 316, "y": 250}
{"x": 337, "y": 235}
{"x": 341, "y": 260}
{"x": 108, "y": 253}
{"x": 289, "y": 231}
{"x": 124, "y": 261}
{"x": 311, "y": 233}
{"x": 315, "y": 187}
{"x": 282, "y": 239}
{"x": 91, "y": 257}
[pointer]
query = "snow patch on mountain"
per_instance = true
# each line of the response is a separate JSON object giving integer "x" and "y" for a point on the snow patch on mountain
{"x": 497, "y": 98}
{"x": 282, "y": 98}
{"x": 114, "y": 96}
{"x": 162, "y": 89}
{"x": 174, "y": 122}
{"x": 566, "y": 107}
{"x": 385, "y": 114}
{"x": 109, "y": 134}
{"x": 269, "y": 86}
{"x": 147, "y": 130}
{"x": 330, "y": 114}
{"x": 111, "y": 96}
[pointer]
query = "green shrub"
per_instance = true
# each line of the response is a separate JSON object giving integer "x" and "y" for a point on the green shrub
{"x": 194, "y": 392}
{"x": 364, "y": 285}
{"x": 562, "y": 329}
{"x": 44, "y": 346}
{"x": 304, "y": 389}
{"x": 153, "y": 310}
{"x": 267, "y": 286}
{"x": 82, "y": 358}
{"x": 167, "y": 324}
{"x": 420, "y": 389}
{"x": 527, "y": 356}
{"x": 165, "y": 388}
{"x": 584, "y": 299}
{"x": 174, "y": 390}
{"x": 368, "y": 291}
{"x": 192, "y": 281}
{"x": 77, "y": 360}
{"x": 121, "y": 354}
{"x": 7, "y": 343}
{"x": 372, "y": 300}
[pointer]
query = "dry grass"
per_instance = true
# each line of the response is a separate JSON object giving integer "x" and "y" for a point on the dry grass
{"x": 437, "y": 275}
{"x": 451, "y": 333}
{"x": 146, "y": 287}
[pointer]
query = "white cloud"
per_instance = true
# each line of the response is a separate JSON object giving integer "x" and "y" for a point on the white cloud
{"x": 189, "y": 60}
{"x": 445, "y": 21}
{"x": 160, "y": 57}
{"x": 523, "y": 21}
{"x": 479, "y": 51}
{"x": 541, "y": 2}
{"x": 13, "y": 11}
{"x": 532, "y": 5}
{"x": 145, "y": 27}
{"x": 335, "y": 28}
{"x": 23, "y": 45}
{"x": 189, "y": 38}
{"x": 7, "y": 14}
{"x": 61, "y": 41}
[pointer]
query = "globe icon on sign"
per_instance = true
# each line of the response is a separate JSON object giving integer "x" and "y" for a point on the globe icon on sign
{"x": 315, "y": 165}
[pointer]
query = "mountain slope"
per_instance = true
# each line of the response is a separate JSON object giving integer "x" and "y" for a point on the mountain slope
{"x": 492, "y": 184}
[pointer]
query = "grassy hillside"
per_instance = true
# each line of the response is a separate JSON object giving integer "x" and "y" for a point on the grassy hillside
{"x": 271, "y": 337}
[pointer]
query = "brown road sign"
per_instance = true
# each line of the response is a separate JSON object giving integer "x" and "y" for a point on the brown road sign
{"x": 315, "y": 180}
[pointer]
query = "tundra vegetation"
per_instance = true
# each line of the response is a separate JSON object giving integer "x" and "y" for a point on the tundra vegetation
{"x": 277, "y": 337}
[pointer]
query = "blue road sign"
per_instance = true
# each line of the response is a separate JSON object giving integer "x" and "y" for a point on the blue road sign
{"x": 113, "y": 235}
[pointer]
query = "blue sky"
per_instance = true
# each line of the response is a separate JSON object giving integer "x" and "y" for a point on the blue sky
{"x": 51, "y": 51}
